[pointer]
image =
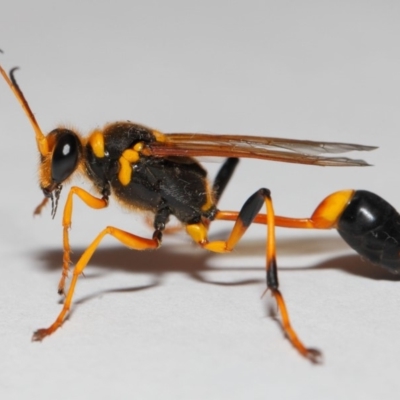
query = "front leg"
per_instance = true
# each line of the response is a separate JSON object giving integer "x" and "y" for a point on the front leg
{"x": 91, "y": 201}
{"x": 128, "y": 239}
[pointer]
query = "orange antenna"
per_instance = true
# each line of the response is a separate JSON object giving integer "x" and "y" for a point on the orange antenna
{"x": 40, "y": 138}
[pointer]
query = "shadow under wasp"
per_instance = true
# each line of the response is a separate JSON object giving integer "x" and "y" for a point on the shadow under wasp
{"x": 146, "y": 170}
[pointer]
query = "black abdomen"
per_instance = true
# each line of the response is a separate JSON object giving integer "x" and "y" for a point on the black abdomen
{"x": 371, "y": 226}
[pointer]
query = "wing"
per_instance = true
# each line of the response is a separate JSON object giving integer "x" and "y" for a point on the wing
{"x": 265, "y": 148}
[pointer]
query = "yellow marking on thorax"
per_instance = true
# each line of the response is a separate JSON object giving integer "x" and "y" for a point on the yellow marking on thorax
{"x": 129, "y": 157}
{"x": 138, "y": 147}
{"x": 96, "y": 141}
{"x": 160, "y": 137}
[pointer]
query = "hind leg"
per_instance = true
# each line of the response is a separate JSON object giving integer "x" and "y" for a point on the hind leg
{"x": 244, "y": 219}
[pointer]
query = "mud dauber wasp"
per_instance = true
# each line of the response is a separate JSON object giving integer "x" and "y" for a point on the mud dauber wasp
{"x": 146, "y": 170}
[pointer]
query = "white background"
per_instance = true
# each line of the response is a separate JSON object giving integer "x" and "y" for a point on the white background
{"x": 181, "y": 323}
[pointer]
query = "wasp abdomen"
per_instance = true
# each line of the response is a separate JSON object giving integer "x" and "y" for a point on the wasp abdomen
{"x": 371, "y": 226}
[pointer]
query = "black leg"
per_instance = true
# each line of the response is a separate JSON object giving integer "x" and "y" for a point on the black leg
{"x": 223, "y": 177}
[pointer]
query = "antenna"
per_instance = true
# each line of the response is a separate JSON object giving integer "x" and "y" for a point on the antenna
{"x": 41, "y": 139}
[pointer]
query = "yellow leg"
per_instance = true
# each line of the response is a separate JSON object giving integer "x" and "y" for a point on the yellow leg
{"x": 313, "y": 355}
{"x": 128, "y": 239}
{"x": 91, "y": 201}
{"x": 247, "y": 215}
{"x": 40, "y": 207}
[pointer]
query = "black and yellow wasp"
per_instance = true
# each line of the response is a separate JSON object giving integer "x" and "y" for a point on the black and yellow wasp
{"x": 145, "y": 169}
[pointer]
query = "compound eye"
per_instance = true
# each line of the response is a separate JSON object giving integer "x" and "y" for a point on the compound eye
{"x": 65, "y": 156}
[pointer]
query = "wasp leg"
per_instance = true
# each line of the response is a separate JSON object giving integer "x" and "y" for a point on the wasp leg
{"x": 169, "y": 230}
{"x": 128, "y": 239}
{"x": 325, "y": 216}
{"x": 223, "y": 177}
{"x": 91, "y": 201}
{"x": 161, "y": 219}
{"x": 245, "y": 217}
{"x": 39, "y": 208}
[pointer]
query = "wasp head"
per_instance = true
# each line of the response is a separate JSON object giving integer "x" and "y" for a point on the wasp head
{"x": 61, "y": 160}
{"x": 60, "y": 151}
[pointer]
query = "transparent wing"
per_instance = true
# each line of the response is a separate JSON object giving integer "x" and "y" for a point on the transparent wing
{"x": 266, "y": 148}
